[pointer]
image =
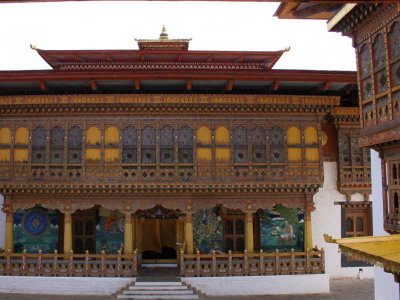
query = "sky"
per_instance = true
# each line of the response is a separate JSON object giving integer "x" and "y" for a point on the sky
{"x": 211, "y": 25}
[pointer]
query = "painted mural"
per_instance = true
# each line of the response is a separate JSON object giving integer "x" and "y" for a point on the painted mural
{"x": 207, "y": 227}
{"x": 110, "y": 232}
{"x": 35, "y": 229}
{"x": 282, "y": 228}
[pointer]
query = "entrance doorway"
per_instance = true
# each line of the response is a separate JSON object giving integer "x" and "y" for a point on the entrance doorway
{"x": 159, "y": 235}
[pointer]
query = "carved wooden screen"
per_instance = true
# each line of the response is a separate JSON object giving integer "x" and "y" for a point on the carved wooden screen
{"x": 5, "y": 145}
{"x": 234, "y": 233}
{"x": 75, "y": 135}
{"x": 57, "y": 145}
{"x": 21, "y": 145}
{"x": 129, "y": 152}
{"x": 39, "y": 145}
{"x": 394, "y": 60}
{"x": 167, "y": 151}
{"x": 84, "y": 231}
{"x": 185, "y": 152}
{"x": 258, "y": 146}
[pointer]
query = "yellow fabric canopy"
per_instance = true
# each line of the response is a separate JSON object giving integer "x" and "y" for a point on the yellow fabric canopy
{"x": 383, "y": 251}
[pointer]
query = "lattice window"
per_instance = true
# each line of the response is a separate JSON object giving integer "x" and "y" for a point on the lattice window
{"x": 294, "y": 144}
{"x": 39, "y": 145}
{"x": 111, "y": 144}
{"x": 394, "y": 40}
{"x": 276, "y": 140}
{"x": 75, "y": 136}
{"x": 240, "y": 144}
{"x": 258, "y": 145}
{"x": 84, "y": 231}
{"x": 204, "y": 144}
{"x": 21, "y": 145}
{"x": 185, "y": 143}
{"x": 222, "y": 145}
{"x": 357, "y": 220}
{"x": 167, "y": 152}
{"x": 57, "y": 145}
{"x": 129, "y": 145}
{"x": 93, "y": 144}
{"x": 379, "y": 51}
{"x": 148, "y": 145}
{"x": 365, "y": 60}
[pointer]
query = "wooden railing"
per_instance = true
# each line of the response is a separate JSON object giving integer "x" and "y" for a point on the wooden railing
{"x": 92, "y": 265}
{"x": 242, "y": 264}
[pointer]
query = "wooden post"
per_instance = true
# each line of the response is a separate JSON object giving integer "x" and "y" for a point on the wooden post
{"x": 214, "y": 264}
{"x": 86, "y": 263}
{"x": 277, "y": 263}
{"x": 55, "y": 263}
{"x": 249, "y": 237}
{"x": 39, "y": 268}
{"x": 261, "y": 265}
{"x": 9, "y": 242}
{"x": 230, "y": 263}
{"x": 198, "y": 265}
{"x": 24, "y": 268}
{"x": 322, "y": 260}
{"x": 246, "y": 263}
{"x": 309, "y": 207}
{"x": 128, "y": 233}
{"x": 67, "y": 232}
{"x": 189, "y": 232}
{"x": 292, "y": 262}
{"x": 182, "y": 262}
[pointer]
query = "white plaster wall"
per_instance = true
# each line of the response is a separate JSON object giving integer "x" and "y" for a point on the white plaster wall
{"x": 62, "y": 285}
{"x": 2, "y": 223}
{"x": 385, "y": 287}
{"x": 260, "y": 285}
{"x": 327, "y": 219}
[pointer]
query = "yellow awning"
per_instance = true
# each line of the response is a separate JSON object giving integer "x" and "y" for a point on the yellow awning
{"x": 383, "y": 251}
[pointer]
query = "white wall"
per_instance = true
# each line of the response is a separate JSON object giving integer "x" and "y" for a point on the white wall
{"x": 260, "y": 285}
{"x": 385, "y": 287}
{"x": 327, "y": 219}
{"x": 2, "y": 223}
{"x": 62, "y": 285}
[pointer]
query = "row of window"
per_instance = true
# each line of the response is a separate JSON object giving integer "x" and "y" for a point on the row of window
{"x": 171, "y": 144}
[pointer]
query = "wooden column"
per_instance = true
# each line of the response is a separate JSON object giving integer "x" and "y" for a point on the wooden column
{"x": 67, "y": 231}
{"x": 128, "y": 233}
{"x": 9, "y": 242}
{"x": 309, "y": 207}
{"x": 189, "y": 232}
{"x": 249, "y": 235}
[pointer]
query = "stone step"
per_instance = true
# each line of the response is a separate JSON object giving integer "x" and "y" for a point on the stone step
{"x": 158, "y": 296}
{"x": 158, "y": 283}
{"x": 162, "y": 292}
{"x": 158, "y": 287}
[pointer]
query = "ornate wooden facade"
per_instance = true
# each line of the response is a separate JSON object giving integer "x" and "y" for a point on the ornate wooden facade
{"x": 113, "y": 132}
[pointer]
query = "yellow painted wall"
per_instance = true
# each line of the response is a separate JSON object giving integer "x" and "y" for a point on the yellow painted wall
{"x": 111, "y": 136}
{"x": 203, "y": 135}
{"x": 223, "y": 154}
{"x": 204, "y": 155}
{"x": 293, "y": 136}
{"x": 5, "y": 136}
{"x": 92, "y": 154}
{"x": 222, "y": 136}
{"x": 93, "y": 136}
{"x": 21, "y": 155}
{"x": 311, "y": 136}
{"x": 22, "y": 136}
{"x": 294, "y": 154}
{"x": 111, "y": 155}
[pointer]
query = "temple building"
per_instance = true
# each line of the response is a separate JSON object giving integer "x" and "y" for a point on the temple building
{"x": 118, "y": 158}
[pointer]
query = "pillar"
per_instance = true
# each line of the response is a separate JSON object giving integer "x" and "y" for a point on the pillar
{"x": 309, "y": 207}
{"x": 128, "y": 233}
{"x": 249, "y": 233}
{"x": 67, "y": 231}
{"x": 189, "y": 232}
{"x": 9, "y": 241}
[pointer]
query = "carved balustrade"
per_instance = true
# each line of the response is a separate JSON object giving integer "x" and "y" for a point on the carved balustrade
{"x": 252, "y": 264}
{"x": 87, "y": 265}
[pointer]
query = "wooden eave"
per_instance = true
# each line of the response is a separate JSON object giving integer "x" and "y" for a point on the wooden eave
{"x": 323, "y": 10}
{"x": 61, "y": 59}
{"x": 269, "y": 75}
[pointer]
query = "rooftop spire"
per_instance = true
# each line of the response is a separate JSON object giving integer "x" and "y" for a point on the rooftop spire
{"x": 164, "y": 34}
{"x": 163, "y": 43}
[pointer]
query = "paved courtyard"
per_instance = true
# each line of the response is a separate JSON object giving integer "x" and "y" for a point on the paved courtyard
{"x": 348, "y": 289}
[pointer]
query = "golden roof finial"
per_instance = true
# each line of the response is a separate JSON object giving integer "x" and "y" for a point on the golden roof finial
{"x": 33, "y": 47}
{"x": 164, "y": 34}
{"x": 287, "y": 49}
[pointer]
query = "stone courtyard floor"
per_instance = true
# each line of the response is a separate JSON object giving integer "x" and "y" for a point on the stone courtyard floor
{"x": 346, "y": 289}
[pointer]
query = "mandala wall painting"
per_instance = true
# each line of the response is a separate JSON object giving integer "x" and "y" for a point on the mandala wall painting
{"x": 35, "y": 222}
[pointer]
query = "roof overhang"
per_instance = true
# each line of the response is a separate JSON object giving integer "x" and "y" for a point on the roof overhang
{"x": 383, "y": 251}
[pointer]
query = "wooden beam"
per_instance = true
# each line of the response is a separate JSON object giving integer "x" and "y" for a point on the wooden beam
{"x": 189, "y": 85}
{"x": 210, "y": 58}
{"x": 229, "y": 86}
{"x": 326, "y": 86}
{"x": 93, "y": 85}
{"x": 276, "y": 85}
{"x": 43, "y": 85}
{"x": 137, "y": 85}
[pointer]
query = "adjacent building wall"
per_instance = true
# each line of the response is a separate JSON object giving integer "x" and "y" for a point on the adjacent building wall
{"x": 327, "y": 219}
{"x": 385, "y": 287}
{"x": 2, "y": 223}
